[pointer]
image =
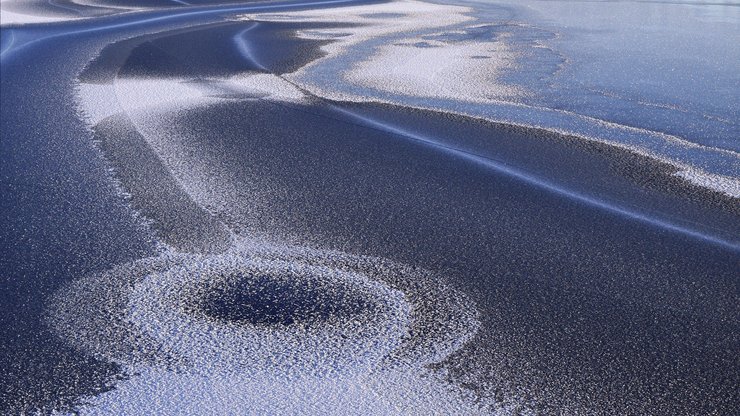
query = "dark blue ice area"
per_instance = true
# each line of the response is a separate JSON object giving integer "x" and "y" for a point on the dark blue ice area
{"x": 60, "y": 218}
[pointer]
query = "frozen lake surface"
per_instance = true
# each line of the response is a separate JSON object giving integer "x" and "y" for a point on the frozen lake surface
{"x": 368, "y": 207}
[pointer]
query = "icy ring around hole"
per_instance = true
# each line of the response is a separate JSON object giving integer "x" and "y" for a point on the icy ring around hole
{"x": 235, "y": 313}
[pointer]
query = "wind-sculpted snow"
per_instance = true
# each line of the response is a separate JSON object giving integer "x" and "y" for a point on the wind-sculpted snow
{"x": 147, "y": 90}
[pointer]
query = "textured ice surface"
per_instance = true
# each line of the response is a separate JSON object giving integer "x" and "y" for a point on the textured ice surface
{"x": 374, "y": 326}
{"x": 21, "y": 12}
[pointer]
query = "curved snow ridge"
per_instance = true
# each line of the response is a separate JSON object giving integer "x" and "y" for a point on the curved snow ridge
{"x": 143, "y": 100}
{"x": 266, "y": 328}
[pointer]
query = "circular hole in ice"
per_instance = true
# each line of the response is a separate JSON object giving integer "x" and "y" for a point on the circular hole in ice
{"x": 259, "y": 299}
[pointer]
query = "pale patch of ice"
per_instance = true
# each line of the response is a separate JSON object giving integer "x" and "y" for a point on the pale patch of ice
{"x": 160, "y": 94}
{"x": 99, "y": 101}
{"x": 96, "y": 102}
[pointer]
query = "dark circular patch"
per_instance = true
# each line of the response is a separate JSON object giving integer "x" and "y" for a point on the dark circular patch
{"x": 261, "y": 299}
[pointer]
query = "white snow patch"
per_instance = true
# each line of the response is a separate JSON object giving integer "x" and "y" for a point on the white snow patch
{"x": 131, "y": 95}
{"x": 451, "y": 70}
{"x": 441, "y": 70}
